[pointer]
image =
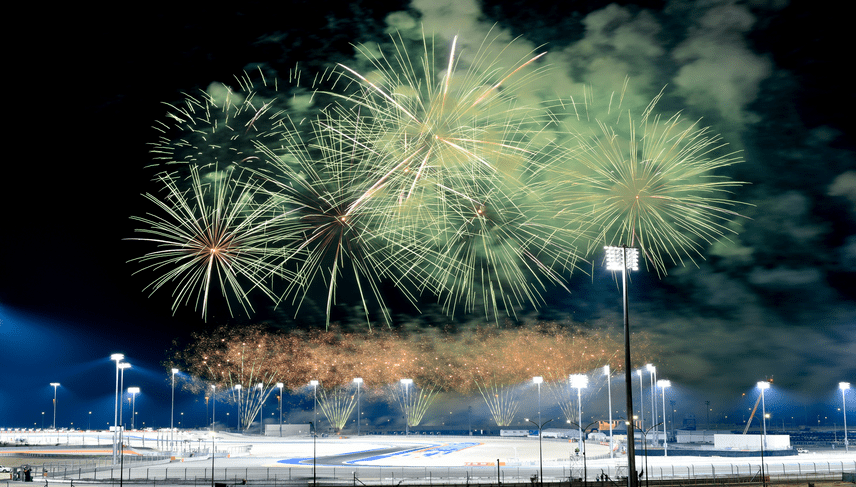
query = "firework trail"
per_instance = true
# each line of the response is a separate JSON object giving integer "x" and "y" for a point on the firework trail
{"x": 213, "y": 235}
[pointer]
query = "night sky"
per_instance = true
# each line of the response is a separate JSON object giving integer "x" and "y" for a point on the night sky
{"x": 778, "y": 301}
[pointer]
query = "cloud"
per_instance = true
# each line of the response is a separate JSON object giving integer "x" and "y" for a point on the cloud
{"x": 845, "y": 185}
{"x": 717, "y": 70}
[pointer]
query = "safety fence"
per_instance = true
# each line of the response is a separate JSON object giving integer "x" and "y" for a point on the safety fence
{"x": 523, "y": 474}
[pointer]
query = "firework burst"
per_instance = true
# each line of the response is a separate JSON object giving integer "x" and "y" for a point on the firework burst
{"x": 318, "y": 196}
{"x": 212, "y": 236}
{"x": 650, "y": 182}
{"x": 452, "y": 152}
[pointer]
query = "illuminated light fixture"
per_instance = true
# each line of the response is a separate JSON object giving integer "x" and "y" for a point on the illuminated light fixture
{"x": 615, "y": 258}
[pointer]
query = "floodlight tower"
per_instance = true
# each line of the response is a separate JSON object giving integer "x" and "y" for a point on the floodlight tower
{"x": 844, "y": 386}
{"x": 358, "y": 381}
{"x": 55, "y": 385}
{"x": 117, "y": 357}
{"x": 314, "y": 384}
{"x": 763, "y": 385}
{"x": 624, "y": 259}
{"x": 280, "y": 385}
{"x": 663, "y": 384}
{"x": 580, "y": 382}
{"x": 172, "y": 411}
{"x": 406, "y": 383}
{"x": 133, "y": 391}
{"x": 609, "y": 389}
{"x": 652, "y": 371}
{"x": 213, "y": 410}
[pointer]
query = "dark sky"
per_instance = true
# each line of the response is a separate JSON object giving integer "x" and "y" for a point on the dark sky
{"x": 777, "y": 301}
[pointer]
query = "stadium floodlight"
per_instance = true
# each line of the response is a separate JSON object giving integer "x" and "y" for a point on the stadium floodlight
{"x": 358, "y": 381}
{"x": 406, "y": 383}
{"x": 580, "y": 382}
{"x": 763, "y": 385}
{"x": 663, "y": 384}
{"x": 314, "y": 384}
{"x": 623, "y": 259}
{"x": 609, "y": 391}
{"x": 55, "y": 385}
{"x": 844, "y": 386}
{"x": 133, "y": 391}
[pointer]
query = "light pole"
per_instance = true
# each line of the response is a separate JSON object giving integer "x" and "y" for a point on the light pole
{"x": 314, "y": 384}
{"x": 645, "y": 442}
{"x": 133, "y": 391}
{"x": 406, "y": 383}
{"x": 538, "y": 380}
{"x": 763, "y": 385}
{"x": 580, "y": 382}
{"x": 261, "y": 388}
{"x": 583, "y": 451}
{"x": 358, "y": 381}
{"x": 117, "y": 357}
{"x": 314, "y": 451}
{"x": 213, "y": 410}
{"x": 663, "y": 384}
{"x": 641, "y": 401}
{"x": 609, "y": 389}
{"x": 652, "y": 373}
{"x": 540, "y": 451}
{"x": 280, "y": 385}
{"x": 844, "y": 386}
{"x": 55, "y": 385}
{"x": 172, "y": 410}
{"x": 238, "y": 388}
{"x": 90, "y": 421}
{"x": 624, "y": 259}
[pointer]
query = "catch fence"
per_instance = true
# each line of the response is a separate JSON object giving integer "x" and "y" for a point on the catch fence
{"x": 514, "y": 474}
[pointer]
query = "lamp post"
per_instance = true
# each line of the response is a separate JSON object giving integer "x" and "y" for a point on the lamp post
{"x": 609, "y": 390}
{"x": 844, "y": 386}
{"x": 540, "y": 450}
{"x": 538, "y": 380}
{"x": 645, "y": 443}
{"x": 624, "y": 259}
{"x": 580, "y": 382}
{"x": 133, "y": 391}
{"x": 213, "y": 410}
{"x": 358, "y": 381}
{"x": 406, "y": 383}
{"x": 314, "y": 384}
{"x": 280, "y": 385}
{"x": 663, "y": 384}
{"x": 238, "y": 388}
{"x": 314, "y": 454}
{"x": 583, "y": 451}
{"x": 641, "y": 401}
{"x": 172, "y": 411}
{"x": 55, "y": 385}
{"x": 763, "y": 385}
{"x": 261, "y": 388}
{"x": 652, "y": 373}
{"x": 117, "y": 357}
